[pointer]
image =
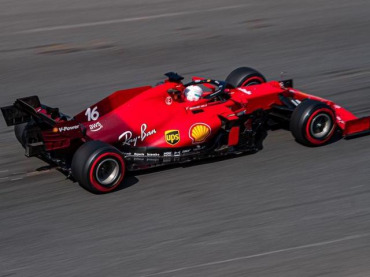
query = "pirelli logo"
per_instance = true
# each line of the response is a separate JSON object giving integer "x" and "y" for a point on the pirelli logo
{"x": 172, "y": 136}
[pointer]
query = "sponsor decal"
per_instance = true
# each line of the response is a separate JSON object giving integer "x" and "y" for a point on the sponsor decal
{"x": 168, "y": 100}
{"x": 186, "y": 151}
{"x": 152, "y": 154}
{"x": 139, "y": 156}
{"x": 95, "y": 127}
{"x": 128, "y": 138}
{"x": 167, "y": 157}
{"x": 68, "y": 128}
{"x": 172, "y": 136}
{"x": 92, "y": 114}
{"x": 177, "y": 154}
{"x": 142, "y": 155}
{"x": 198, "y": 147}
{"x": 197, "y": 107}
{"x": 245, "y": 91}
{"x": 199, "y": 132}
{"x": 340, "y": 120}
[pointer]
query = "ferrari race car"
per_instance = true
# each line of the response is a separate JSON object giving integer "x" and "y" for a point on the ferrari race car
{"x": 149, "y": 126}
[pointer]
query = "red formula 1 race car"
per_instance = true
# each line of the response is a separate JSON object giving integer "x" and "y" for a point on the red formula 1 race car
{"x": 151, "y": 126}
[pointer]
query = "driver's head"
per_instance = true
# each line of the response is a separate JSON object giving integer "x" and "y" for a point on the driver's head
{"x": 193, "y": 93}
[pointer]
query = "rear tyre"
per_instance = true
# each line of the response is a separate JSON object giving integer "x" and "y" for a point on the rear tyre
{"x": 19, "y": 131}
{"x": 98, "y": 167}
{"x": 313, "y": 123}
{"x": 245, "y": 76}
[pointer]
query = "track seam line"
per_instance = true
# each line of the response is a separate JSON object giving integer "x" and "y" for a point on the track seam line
{"x": 312, "y": 245}
{"x": 123, "y": 20}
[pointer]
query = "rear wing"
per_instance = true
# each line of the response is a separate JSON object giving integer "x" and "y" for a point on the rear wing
{"x": 52, "y": 130}
{"x": 24, "y": 109}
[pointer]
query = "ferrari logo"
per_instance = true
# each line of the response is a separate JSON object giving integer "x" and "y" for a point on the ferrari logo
{"x": 172, "y": 136}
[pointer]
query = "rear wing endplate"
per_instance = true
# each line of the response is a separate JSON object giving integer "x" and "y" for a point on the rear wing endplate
{"x": 26, "y": 108}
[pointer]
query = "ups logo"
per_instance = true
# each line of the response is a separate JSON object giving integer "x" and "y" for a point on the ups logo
{"x": 172, "y": 136}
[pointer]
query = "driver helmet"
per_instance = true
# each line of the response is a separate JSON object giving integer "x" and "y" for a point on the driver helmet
{"x": 193, "y": 93}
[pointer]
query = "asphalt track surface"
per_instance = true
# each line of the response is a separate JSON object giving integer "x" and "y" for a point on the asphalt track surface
{"x": 286, "y": 211}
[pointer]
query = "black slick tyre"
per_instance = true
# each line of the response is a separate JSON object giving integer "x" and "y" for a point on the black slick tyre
{"x": 313, "y": 123}
{"x": 98, "y": 167}
{"x": 19, "y": 131}
{"x": 244, "y": 76}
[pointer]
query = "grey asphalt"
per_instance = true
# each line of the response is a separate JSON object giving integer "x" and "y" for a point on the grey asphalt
{"x": 286, "y": 211}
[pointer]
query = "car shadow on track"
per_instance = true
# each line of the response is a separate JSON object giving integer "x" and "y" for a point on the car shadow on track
{"x": 131, "y": 179}
{"x": 336, "y": 137}
{"x": 187, "y": 164}
{"x": 128, "y": 181}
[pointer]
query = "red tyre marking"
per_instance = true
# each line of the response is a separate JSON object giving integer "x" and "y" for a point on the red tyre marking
{"x": 254, "y": 78}
{"x": 308, "y": 135}
{"x": 95, "y": 183}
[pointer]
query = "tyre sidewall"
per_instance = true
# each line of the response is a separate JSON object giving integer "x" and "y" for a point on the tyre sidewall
{"x": 309, "y": 136}
{"x": 84, "y": 164}
{"x": 245, "y": 76}
{"x": 252, "y": 80}
{"x": 91, "y": 166}
{"x": 20, "y": 134}
{"x": 302, "y": 118}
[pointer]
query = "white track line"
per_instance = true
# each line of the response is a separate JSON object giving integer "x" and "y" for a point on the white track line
{"x": 123, "y": 20}
{"x": 312, "y": 245}
{"x": 18, "y": 173}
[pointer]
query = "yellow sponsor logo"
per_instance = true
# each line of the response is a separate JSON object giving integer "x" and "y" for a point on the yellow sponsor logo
{"x": 172, "y": 136}
{"x": 199, "y": 132}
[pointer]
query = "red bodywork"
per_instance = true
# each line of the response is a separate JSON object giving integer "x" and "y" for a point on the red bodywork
{"x": 153, "y": 118}
{"x": 148, "y": 126}
{"x": 140, "y": 117}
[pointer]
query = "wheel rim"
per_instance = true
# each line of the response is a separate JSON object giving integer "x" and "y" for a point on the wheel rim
{"x": 252, "y": 81}
{"x": 107, "y": 172}
{"x": 321, "y": 126}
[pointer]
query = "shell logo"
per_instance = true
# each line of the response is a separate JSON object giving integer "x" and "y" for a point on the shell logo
{"x": 199, "y": 132}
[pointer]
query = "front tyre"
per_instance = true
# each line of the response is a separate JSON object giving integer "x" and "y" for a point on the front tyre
{"x": 98, "y": 167}
{"x": 245, "y": 76}
{"x": 313, "y": 123}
